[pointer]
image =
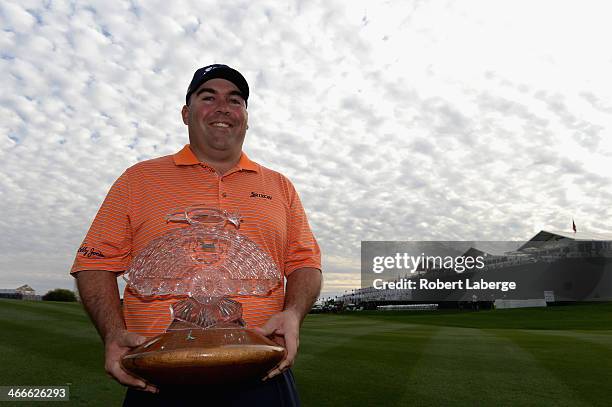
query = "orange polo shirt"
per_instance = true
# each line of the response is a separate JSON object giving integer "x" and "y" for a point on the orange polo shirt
{"x": 133, "y": 214}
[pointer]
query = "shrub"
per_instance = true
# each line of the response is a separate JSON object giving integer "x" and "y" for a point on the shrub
{"x": 59, "y": 294}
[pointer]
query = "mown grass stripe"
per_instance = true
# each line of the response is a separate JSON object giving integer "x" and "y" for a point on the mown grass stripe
{"x": 471, "y": 367}
{"x": 358, "y": 367}
{"x": 601, "y": 338}
{"x": 587, "y": 316}
{"x": 582, "y": 366}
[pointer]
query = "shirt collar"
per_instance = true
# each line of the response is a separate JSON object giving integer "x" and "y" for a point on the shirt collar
{"x": 187, "y": 157}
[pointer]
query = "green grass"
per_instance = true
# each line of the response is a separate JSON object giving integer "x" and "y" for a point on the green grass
{"x": 557, "y": 356}
{"x": 54, "y": 344}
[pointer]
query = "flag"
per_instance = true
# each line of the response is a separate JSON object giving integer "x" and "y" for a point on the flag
{"x": 573, "y": 226}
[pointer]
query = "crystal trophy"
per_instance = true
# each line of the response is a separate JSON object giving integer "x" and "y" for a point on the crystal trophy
{"x": 203, "y": 264}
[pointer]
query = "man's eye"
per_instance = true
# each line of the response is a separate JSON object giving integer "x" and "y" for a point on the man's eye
{"x": 208, "y": 98}
{"x": 236, "y": 101}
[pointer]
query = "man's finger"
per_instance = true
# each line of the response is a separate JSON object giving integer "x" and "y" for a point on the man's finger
{"x": 151, "y": 389}
{"x": 131, "y": 381}
{"x": 274, "y": 372}
{"x": 278, "y": 339}
{"x": 280, "y": 368}
{"x": 126, "y": 379}
{"x": 284, "y": 364}
{"x": 265, "y": 330}
{"x": 291, "y": 345}
{"x": 132, "y": 340}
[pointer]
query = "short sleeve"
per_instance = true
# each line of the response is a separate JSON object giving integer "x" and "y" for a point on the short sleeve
{"x": 303, "y": 249}
{"x": 108, "y": 243}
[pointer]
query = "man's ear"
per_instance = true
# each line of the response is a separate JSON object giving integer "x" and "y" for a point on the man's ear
{"x": 185, "y": 114}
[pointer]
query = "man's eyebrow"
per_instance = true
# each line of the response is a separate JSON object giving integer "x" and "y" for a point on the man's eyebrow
{"x": 236, "y": 93}
{"x": 210, "y": 90}
{"x": 202, "y": 90}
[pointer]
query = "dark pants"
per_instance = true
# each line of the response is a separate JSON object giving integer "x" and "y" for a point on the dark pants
{"x": 278, "y": 391}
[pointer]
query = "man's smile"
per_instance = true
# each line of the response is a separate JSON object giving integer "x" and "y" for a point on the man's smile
{"x": 220, "y": 124}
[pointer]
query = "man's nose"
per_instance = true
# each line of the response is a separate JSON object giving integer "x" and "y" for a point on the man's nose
{"x": 222, "y": 106}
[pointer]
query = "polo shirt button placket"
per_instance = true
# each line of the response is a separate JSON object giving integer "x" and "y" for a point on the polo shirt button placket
{"x": 222, "y": 193}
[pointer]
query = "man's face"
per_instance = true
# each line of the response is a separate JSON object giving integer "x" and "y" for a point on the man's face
{"x": 217, "y": 120}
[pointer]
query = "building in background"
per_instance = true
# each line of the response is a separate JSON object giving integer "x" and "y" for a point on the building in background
{"x": 24, "y": 292}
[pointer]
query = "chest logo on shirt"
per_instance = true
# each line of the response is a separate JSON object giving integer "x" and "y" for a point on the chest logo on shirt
{"x": 258, "y": 195}
{"x": 89, "y": 252}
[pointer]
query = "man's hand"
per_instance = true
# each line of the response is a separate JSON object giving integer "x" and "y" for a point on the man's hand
{"x": 117, "y": 345}
{"x": 100, "y": 296}
{"x": 301, "y": 291}
{"x": 284, "y": 329}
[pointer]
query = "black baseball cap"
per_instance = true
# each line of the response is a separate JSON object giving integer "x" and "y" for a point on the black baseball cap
{"x": 218, "y": 71}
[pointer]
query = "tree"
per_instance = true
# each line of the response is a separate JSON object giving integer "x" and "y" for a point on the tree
{"x": 60, "y": 294}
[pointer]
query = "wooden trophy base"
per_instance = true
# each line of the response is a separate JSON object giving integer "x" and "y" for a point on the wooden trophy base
{"x": 203, "y": 356}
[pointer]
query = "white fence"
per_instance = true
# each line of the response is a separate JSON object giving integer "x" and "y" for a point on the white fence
{"x": 408, "y": 307}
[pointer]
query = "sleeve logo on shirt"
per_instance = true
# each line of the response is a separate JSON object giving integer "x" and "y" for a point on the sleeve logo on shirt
{"x": 89, "y": 252}
{"x": 258, "y": 195}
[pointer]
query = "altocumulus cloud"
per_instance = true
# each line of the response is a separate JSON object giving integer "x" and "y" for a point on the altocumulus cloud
{"x": 437, "y": 120}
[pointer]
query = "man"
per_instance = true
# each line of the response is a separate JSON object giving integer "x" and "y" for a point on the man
{"x": 211, "y": 170}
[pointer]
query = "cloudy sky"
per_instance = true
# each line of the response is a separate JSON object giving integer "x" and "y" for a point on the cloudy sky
{"x": 396, "y": 120}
